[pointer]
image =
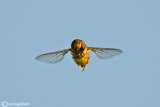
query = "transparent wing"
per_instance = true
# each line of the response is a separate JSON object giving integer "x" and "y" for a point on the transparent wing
{"x": 105, "y": 53}
{"x": 52, "y": 57}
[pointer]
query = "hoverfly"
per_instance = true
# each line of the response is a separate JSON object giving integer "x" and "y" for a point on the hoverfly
{"x": 80, "y": 54}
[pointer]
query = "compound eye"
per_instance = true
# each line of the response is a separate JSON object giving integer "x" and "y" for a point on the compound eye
{"x": 83, "y": 45}
{"x": 72, "y": 45}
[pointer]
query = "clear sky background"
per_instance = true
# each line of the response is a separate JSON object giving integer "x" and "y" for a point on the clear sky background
{"x": 32, "y": 27}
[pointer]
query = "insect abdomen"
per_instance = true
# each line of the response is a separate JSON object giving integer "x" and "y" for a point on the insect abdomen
{"x": 81, "y": 58}
{"x": 82, "y": 61}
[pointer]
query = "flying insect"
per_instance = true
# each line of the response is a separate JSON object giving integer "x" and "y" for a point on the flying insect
{"x": 80, "y": 54}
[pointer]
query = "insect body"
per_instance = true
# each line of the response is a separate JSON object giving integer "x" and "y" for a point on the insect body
{"x": 80, "y": 54}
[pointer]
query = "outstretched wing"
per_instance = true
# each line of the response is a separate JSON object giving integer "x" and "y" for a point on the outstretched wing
{"x": 105, "y": 53}
{"x": 52, "y": 57}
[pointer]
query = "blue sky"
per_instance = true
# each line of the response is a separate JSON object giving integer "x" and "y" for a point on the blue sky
{"x": 32, "y": 27}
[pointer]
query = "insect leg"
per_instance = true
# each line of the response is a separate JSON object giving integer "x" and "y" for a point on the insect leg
{"x": 80, "y": 68}
{"x": 83, "y": 68}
